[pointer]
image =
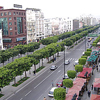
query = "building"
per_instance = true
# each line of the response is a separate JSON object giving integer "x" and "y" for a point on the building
{"x": 72, "y": 24}
{"x": 35, "y": 24}
{"x": 13, "y": 25}
{"x": 1, "y": 41}
{"x": 47, "y": 28}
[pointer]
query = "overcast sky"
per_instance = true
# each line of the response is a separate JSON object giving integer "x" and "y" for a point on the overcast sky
{"x": 59, "y": 8}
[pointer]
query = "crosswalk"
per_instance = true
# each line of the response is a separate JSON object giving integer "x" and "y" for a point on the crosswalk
{"x": 72, "y": 59}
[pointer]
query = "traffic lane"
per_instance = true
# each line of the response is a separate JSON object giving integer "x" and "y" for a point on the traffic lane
{"x": 47, "y": 84}
{"x": 59, "y": 76}
{"x": 43, "y": 85}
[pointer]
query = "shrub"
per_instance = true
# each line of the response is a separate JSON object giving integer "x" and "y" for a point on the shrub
{"x": 79, "y": 68}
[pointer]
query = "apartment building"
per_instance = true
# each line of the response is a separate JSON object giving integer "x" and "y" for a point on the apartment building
{"x": 47, "y": 28}
{"x": 35, "y": 24}
{"x": 13, "y": 25}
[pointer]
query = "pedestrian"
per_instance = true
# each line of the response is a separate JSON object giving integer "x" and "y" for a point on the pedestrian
{"x": 93, "y": 67}
{"x": 89, "y": 93}
{"x": 34, "y": 72}
{"x": 92, "y": 87}
{"x": 44, "y": 98}
{"x": 52, "y": 83}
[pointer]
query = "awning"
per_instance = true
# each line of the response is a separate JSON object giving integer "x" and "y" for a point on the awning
{"x": 84, "y": 71}
{"x": 97, "y": 85}
{"x": 69, "y": 96}
{"x": 95, "y": 97}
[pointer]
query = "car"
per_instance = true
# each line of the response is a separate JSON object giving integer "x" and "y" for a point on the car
{"x": 67, "y": 62}
{"x": 53, "y": 67}
{"x": 66, "y": 76}
{"x": 76, "y": 62}
{"x": 59, "y": 83}
{"x": 83, "y": 53}
{"x": 50, "y": 94}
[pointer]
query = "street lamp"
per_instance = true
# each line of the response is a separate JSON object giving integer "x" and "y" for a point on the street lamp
{"x": 64, "y": 61}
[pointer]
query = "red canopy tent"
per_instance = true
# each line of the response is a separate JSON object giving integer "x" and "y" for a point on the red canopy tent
{"x": 96, "y": 83}
{"x": 84, "y": 71}
{"x": 94, "y": 97}
{"x": 97, "y": 80}
{"x": 69, "y": 96}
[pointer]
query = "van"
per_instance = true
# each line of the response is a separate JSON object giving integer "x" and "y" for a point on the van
{"x": 50, "y": 94}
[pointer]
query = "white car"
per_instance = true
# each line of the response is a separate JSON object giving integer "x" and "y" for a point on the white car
{"x": 50, "y": 94}
{"x": 66, "y": 76}
{"x": 53, "y": 67}
{"x": 67, "y": 62}
{"x": 76, "y": 62}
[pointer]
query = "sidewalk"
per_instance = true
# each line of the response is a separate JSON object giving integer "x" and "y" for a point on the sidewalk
{"x": 9, "y": 90}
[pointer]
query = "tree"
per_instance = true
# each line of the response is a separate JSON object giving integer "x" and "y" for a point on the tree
{"x": 68, "y": 83}
{"x": 59, "y": 94}
{"x": 79, "y": 68}
{"x": 82, "y": 61}
{"x": 87, "y": 53}
{"x": 71, "y": 74}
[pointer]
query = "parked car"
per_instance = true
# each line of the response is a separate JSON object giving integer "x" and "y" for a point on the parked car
{"x": 52, "y": 91}
{"x": 67, "y": 62}
{"x": 53, "y": 67}
{"x": 59, "y": 83}
{"x": 76, "y": 62}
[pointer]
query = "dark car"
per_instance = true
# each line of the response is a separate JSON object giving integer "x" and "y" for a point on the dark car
{"x": 53, "y": 67}
{"x": 59, "y": 83}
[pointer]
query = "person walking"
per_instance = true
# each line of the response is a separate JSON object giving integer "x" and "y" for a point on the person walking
{"x": 89, "y": 93}
{"x": 52, "y": 84}
{"x": 97, "y": 67}
{"x": 34, "y": 72}
{"x": 92, "y": 87}
{"x": 44, "y": 98}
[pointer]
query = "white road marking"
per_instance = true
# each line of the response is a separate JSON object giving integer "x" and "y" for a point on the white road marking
{"x": 59, "y": 71}
{"x": 9, "y": 97}
{"x": 28, "y": 93}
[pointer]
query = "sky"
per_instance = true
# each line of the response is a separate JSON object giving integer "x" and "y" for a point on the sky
{"x": 59, "y": 8}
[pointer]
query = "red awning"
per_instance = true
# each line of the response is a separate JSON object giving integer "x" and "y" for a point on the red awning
{"x": 96, "y": 85}
{"x": 95, "y": 97}
{"x": 84, "y": 71}
{"x": 69, "y": 96}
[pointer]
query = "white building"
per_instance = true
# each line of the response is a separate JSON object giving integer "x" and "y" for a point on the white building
{"x": 47, "y": 28}
{"x": 1, "y": 40}
{"x": 35, "y": 25}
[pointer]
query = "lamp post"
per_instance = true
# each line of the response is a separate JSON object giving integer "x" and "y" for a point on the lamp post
{"x": 64, "y": 61}
{"x": 85, "y": 43}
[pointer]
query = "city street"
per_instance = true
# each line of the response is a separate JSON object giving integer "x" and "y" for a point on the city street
{"x": 39, "y": 86}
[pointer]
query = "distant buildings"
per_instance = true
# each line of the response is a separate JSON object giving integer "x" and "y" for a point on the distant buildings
{"x": 13, "y": 25}
{"x": 35, "y": 25}
{"x": 1, "y": 40}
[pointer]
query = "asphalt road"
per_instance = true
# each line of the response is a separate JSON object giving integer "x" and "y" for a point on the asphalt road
{"x": 39, "y": 87}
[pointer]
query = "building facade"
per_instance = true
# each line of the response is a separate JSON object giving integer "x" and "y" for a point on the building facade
{"x": 13, "y": 25}
{"x": 35, "y": 24}
{"x": 47, "y": 28}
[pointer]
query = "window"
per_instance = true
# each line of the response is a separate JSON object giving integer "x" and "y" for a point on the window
{"x": 15, "y": 23}
{"x": 1, "y": 14}
{"x": 10, "y": 28}
{"x": 25, "y": 27}
{"x": 9, "y": 18}
{"x": 14, "y": 18}
{"x": 10, "y": 23}
{"x": 15, "y": 33}
{"x": 15, "y": 28}
{"x": 17, "y": 13}
{"x": 22, "y": 13}
{"x": 14, "y": 13}
{"x": 5, "y": 13}
{"x": 10, "y": 33}
{"x": 9, "y": 13}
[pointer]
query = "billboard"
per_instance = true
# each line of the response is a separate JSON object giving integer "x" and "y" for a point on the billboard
{"x": 17, "y": 6}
